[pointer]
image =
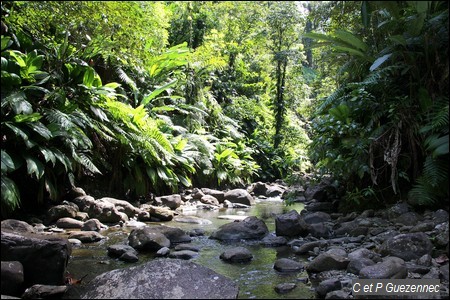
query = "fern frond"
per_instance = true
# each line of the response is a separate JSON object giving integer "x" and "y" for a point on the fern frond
{"x": 125, "y": 78}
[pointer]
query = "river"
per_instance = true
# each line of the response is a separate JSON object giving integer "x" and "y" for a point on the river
{"x": 256, "y": 279}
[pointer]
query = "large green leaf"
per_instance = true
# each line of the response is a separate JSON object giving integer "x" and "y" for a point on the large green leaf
{"x": 10, "y": 195}
{"x": 6, "y": 42}
{"x": 351, "y": 40}
{"x": 34, "y": 166}
{"x": 158, "y": 91}
{"x": 7, "y": 162}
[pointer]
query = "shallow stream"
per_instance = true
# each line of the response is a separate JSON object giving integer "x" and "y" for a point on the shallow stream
{"x": 256, "y": 279}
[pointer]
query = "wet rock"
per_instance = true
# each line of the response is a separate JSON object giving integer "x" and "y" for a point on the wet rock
{"x": 275, "y": 191}
{"x": 272, "y": 240}
{"x": 409, "y": 218}
{"x": 75, "y": 192}
{"x": 175, "y": 235}
{"x": 407, "y": 246}
{"x": 291, "y": 224}
{"x": 175, "y": 279}
{"x": 93, "y": 225}
{"x": 145, "y": 238}
{"x": 355, "y": 266}
{"x": 86, "y": 236}
{"x": 104, "y": 211}
{"x": 321, "y": 192}
{"x": 340, "y": 294}
{"x": 327, "y": 286}
{"x": 84, "y": 202}
{"x": 164, "y": 251}
{"x": 171, "y": 201}
{"x": 36, "y": 253}
{"x": 258, "y": 188}
{"x": 320, "y": 230}
{"x": 364, "y": 253}
{"x": 39, "y": 291}
{"x": 337, "y": 251}
{"x": 440, "y": 216}
{"x": 17, "y": 226}
{"x": 69, "y": 223}
{"x": 82, "y": 216}
{"x": 422, "y": 227}
{"x": 390, "y": 267}
{"x": 197, "y": 194}
{"x": 219, "y": 195}
{"x": 433, "y": 274}
{"x": 443, "y": 270}
{"x": 288, "y": 265}
{"x": 236, "y": 255}
{"x": 61, "y": 211}
{"x": 441, "y": 239}
{"x": 124, "y": 206}
{"x": 309, "y": 246}
{"x": 249, "y": 228}
{"x": 118, "y": 250}
{"x": 284, "y": 288}
{"x": 183, "y": 254}
{"x": 320, "y": 206}
{"x": 211, "y": 200}
{"x": 239, "y": 196}
{"x": 425, "y": 260}
{"x": 159, "y": 213}
{"x": 327, "y": 261}
{"x": 12, "y": 278}
{"x": 228, "y": 204}
{"x": 187, "y": 247}
{"x": 316, "y": 217}
{"x": 196, "y": 232}
{"x": 129, "y": 256}
{"x": 397, "y": 210}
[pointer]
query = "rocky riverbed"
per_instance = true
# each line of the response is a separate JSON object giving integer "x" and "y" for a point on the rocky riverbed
{"x": 315, "y": 252}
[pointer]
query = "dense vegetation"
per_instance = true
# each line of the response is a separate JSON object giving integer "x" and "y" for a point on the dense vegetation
{"x": 148, "y": 97}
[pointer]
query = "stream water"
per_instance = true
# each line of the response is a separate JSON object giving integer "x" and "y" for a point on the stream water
{"x": 256, "y": 279}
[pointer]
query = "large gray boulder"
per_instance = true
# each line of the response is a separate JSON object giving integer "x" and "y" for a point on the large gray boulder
{"x": 237, "y": 254}
{"x": 390, "y": 267}
{"x": 326, "y": 262}
{"x": 37, "y": 253}
{"x": 162, "y": 279}
{"x": 171, "y": 201}
{"x": 219, "y": 195}
{"x": 124, "y": 206}
{"x": 239, "y": 196}
{"x": 17, "y": 226}
{"x": 61, "y": 211}
{"x": 407, "y": 246}
{"x": 104, "y": 211}
{"x": 145, "y": 239}
{"x": 12, "y": 278}
{"x": 248, "y": 229}
{"x": 291, "y": 224}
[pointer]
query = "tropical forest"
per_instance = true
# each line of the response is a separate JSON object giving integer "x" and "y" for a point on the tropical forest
{"x": 268, "y": 142}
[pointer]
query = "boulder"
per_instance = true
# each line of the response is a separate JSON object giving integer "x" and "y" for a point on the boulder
{"x": 159, "y": 213}
{"x": 284, "y": 288}
{"x": 75, "y": 192}
{"x": 258, "y": 188}
{"x": 124, "y": 206}
{"x": 104, "y": 211}
{"x": 389, "y": 268}
{"x": 211, "y": 200}
{"x": 84, "y": 202}
{"x": 407, "y": 246}
{"x": 12, "y": 278}
{"x": 183, "y": 254}
{"x": 288, "y": 265}
{"x": 239, "y": 196}
{"x": 146, "y": 239}
{"x": 316, "y": 217}
{"x": 249, "y": 228}
{"x": 219, "y": 195}
{"x": 40, "y": 291}
{"x": 17, "y": 226}
{"x": 272, "y": 240}
{"x": 327, "y": 286}
{"x": 236, "y": 255}
{"x": 93, "y": 225}
{"x": 61, "y": 211}
{"x": 320, "y": 230}
{"x": 355, "y": 266}
{"x": 37, "y": 253}
{"x": 327, "y": 261}
{"x": 275, "y": 191}
{"x": 171, "y": 201}
{"x": 174, "y": 279}
{"x": 175, "y": 235}
{"x": 86, "y": 236}
{"x": 69, "y": 223}
{"x": 291, "y": 224}
{"x": 409, "y": 218}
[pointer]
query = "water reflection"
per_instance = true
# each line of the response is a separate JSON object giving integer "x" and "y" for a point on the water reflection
{"x": 256, "y": 279}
